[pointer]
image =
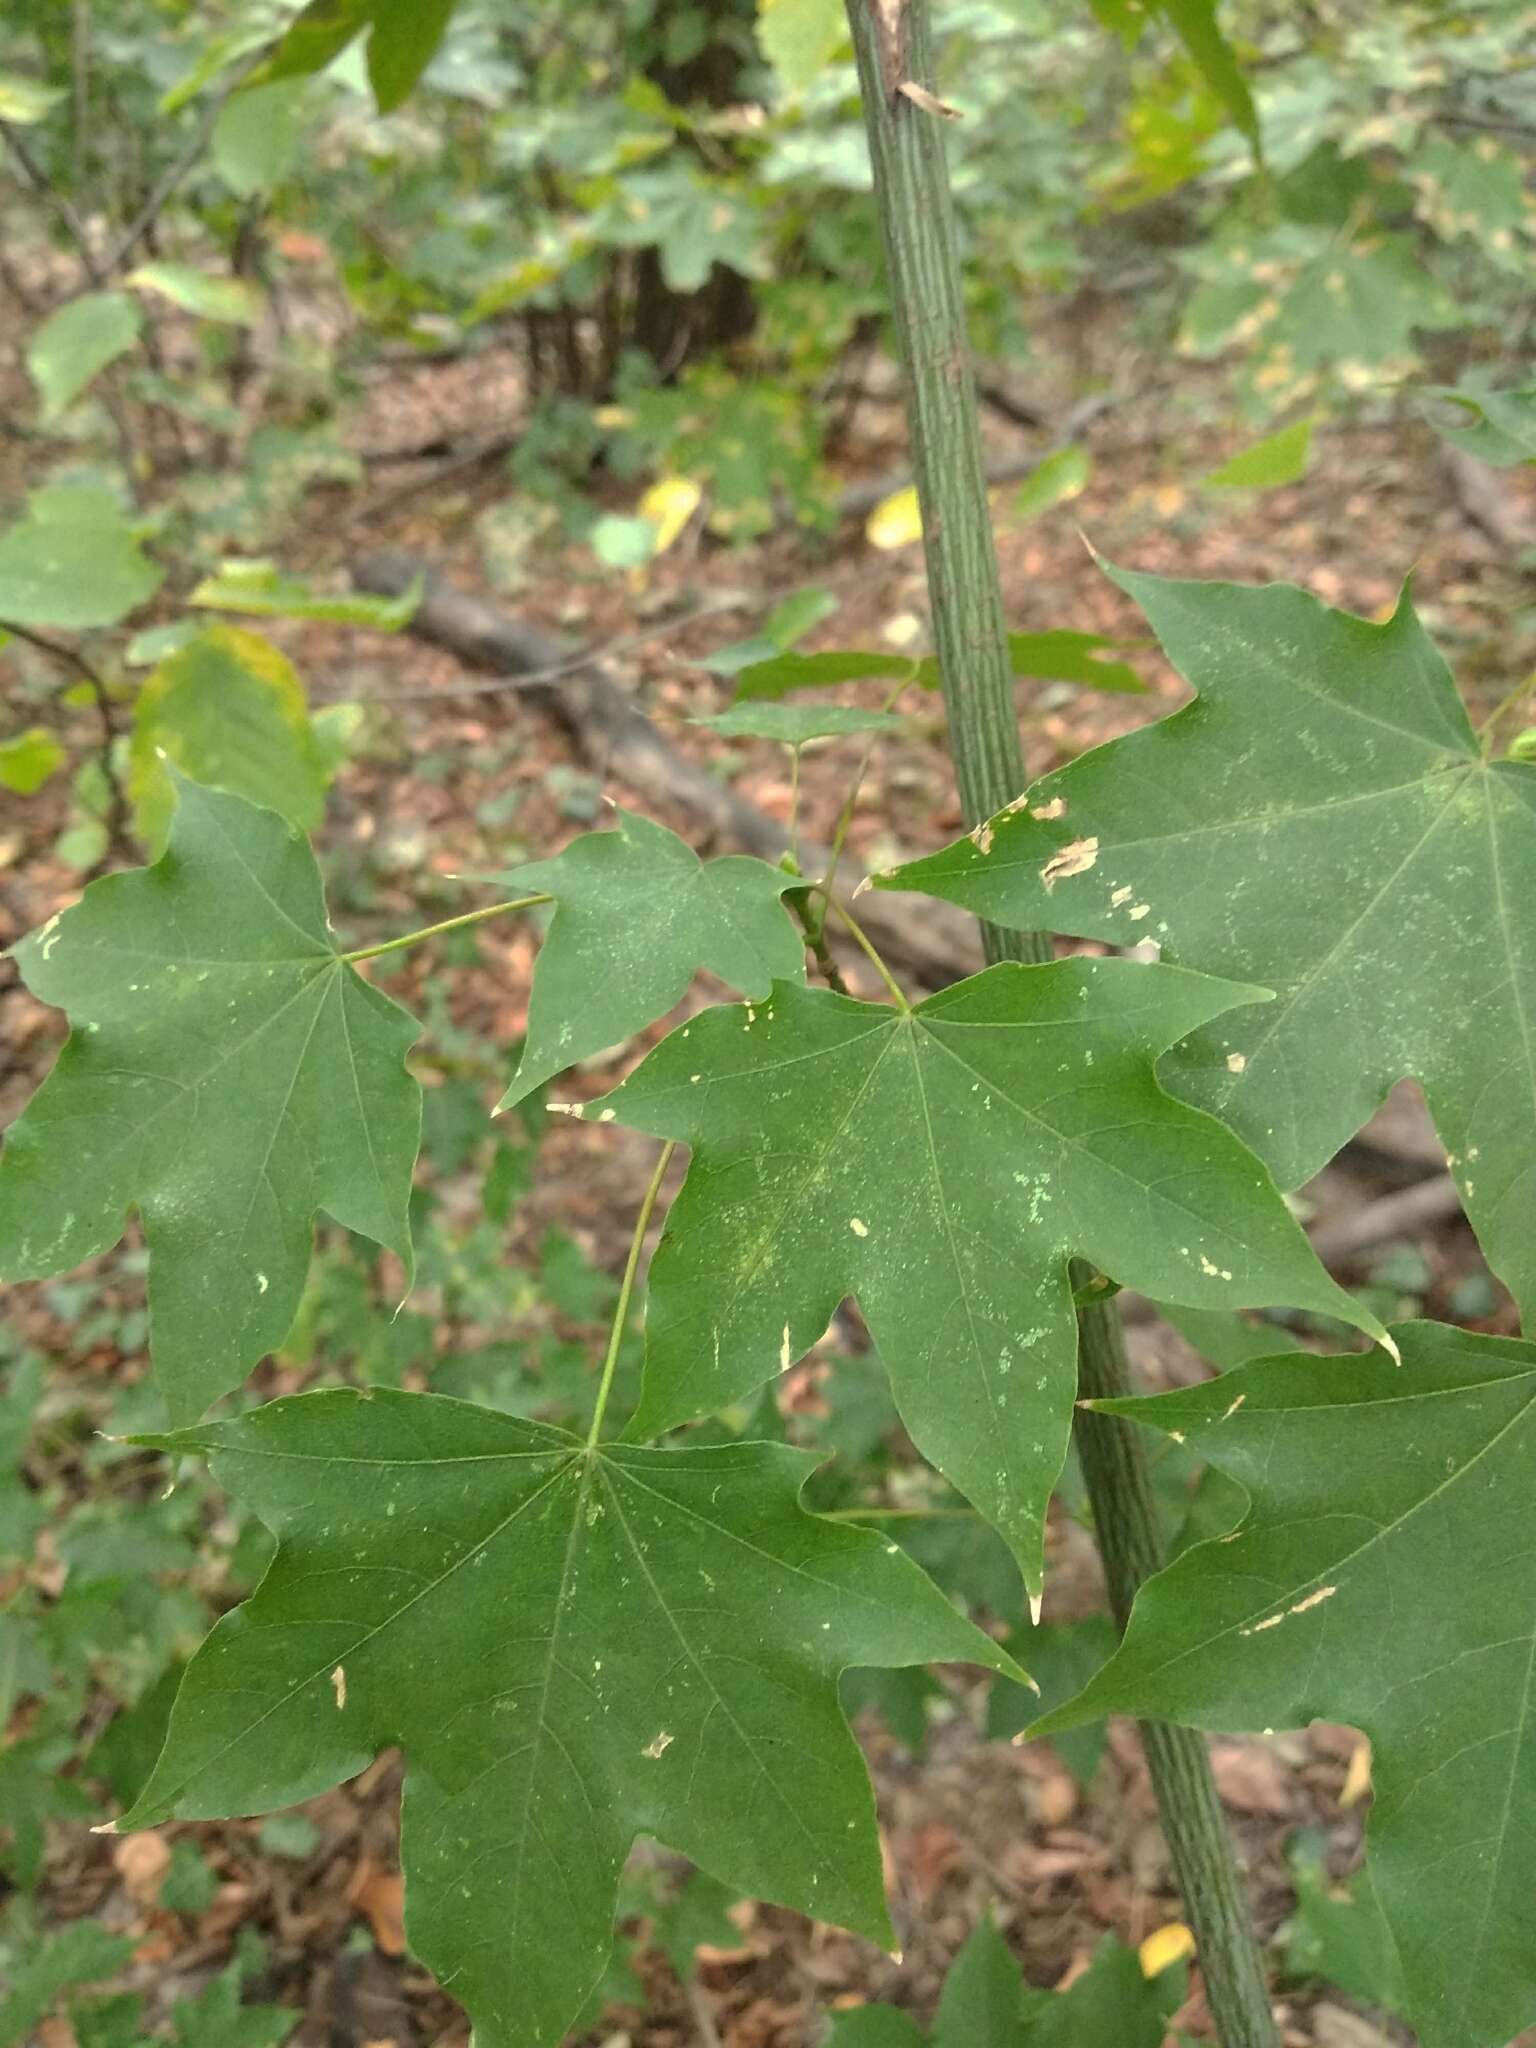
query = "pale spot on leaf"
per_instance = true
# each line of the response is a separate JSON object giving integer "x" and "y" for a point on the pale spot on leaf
{"x": 1075, "y": 858}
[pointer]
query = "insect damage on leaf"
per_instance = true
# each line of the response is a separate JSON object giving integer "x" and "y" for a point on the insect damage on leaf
{"x": 1380, "y": 1579}
{"x": 944, "y": 1167}
{"x": 227, "y": 1074}
{"x": 574, "y": 1646}
{"x": 1323, "y": 821}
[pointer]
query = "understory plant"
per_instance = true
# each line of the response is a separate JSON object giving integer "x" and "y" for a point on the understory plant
{"x": 582, "y": 1635}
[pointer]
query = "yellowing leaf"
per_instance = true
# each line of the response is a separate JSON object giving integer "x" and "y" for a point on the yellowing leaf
{"x": 800, "y": 37}
{"x": 669, "y": 505}
{"x": 229, "y": 710}
{"x": 228, "y": 299}
{"x": 1165, "y": 1946}
{"x": 1061, "y": 476}
{"x": 1280, "y": 458}
{"x": 896, "y": 521}
{"x": 27, "y": 759}
{"x": 24, "y": 100}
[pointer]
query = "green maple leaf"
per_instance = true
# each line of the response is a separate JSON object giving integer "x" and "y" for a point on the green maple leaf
{"x": 574, "y": 1645}
{"x": 1321, "y": 821}
{"x": 639, "y": 916}
{"x": 944, "y": 1165}
{"x": 227, "y": 1074}
{"x": 1383, "y": 1578}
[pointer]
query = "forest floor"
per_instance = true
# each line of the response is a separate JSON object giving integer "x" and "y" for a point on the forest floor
{"x": 444, "y": 783}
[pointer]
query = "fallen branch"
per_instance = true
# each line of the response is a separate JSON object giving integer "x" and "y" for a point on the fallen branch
{"x": 1399, "y": 1214}
{"x": 569, "y": 665}
{"x": 1481, "y": 495}
{"x": 616, "y": 738}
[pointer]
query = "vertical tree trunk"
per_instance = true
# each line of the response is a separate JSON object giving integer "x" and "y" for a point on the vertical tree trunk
{"x": 893, "y": 42}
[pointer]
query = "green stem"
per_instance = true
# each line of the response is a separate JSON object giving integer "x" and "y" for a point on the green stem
{"x": 850, "y": 802}
{"x": 1130, "y": 1543}
{"x": 449, "y": 924}
{"x": 815, "y": 929}
{"x": 626, "y": 1290}
{"x": 922, "y": 257}
{"x": 1501, "y": 711}
{"x": 970, "y": 630}
{"x": 866, "y": 945}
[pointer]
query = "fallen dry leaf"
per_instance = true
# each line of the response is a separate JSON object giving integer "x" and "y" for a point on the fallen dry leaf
{"x": 1357, "y": 1779}
{"x": 1251, "y": 1779}
{"x": 1333, "y": 2027}
{"x": 1055, "y": 1797}
{"x": 932, "y": 1851}
{"x": 142, "y": 1861}
{"x": 379, "y": 1895}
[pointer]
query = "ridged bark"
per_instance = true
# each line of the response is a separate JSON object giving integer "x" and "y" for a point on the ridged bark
{"x": 917, "y": 224}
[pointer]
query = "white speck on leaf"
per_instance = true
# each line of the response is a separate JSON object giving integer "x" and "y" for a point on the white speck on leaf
{"x": 1236, "y": 1062}
{"x": 657, "y": 1746}
{"x": 339, "y": 1686}
{"x": 858, "y": 1226}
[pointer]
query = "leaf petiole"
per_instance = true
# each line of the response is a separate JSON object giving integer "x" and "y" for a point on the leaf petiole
{"x": 865, "y": 944}
{"x": 845, "y": 816}
{"x": 449, "y": 924}
{"x": 1502, "y": 710}
{"x": 626, "y": 1290}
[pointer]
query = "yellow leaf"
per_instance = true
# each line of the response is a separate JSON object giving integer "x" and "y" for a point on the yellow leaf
{"x": 1357, "y": 1779}
{"x": 669, "y": 505}
{"x": 896, "y": 521}
{"x": 1165, "y": 1946}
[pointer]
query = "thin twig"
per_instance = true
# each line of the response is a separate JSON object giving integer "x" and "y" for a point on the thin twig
{"x": 51, "y": 197}
{"x": 116, "y": 820}
{"x": 816, "y": 939}
{"x": 371, "y": 510}
{"x": 187, "y": 162}
{"x": 80, "y": 87}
